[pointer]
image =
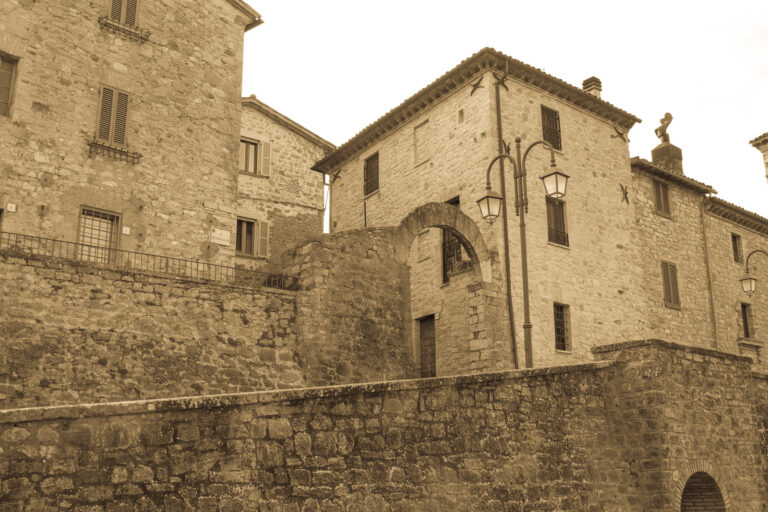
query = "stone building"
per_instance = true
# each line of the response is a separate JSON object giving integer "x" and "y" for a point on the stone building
{"x": 761, "y": 144}
{"x": 119, "y": 123}
{"x": 635, "y": 249}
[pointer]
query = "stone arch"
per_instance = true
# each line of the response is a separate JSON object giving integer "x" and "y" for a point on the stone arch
{"x": 445, "y": 216}
{"x": 700, "y": 491}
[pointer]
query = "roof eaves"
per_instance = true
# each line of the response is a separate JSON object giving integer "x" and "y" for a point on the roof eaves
{"x": 645, "y": 165}
{"x": 254, "y": 17}
{"x": 485, "y": 59}
{"x": 760, "y": 140}
{"x": 737, "y": 214}
{"x": 287, "y": 122}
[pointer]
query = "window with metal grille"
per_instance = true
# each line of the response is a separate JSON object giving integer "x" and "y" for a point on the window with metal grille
{"x": 562, "y": 327}
{"x": 669, "y": 278}
{"x": 748, "y": 328}
{"x": 556, "y": 221}
{"x": 550, "y": 124}
{"x": 97, "y": 235}
{"x": 455, "y": 259}
{"x": 124, "y": 12}
{"x": 7, "y": 72}
{"x": 255, "y": 157}
{"x": 113, "y": 117}
{"x": 252, "y": 238}
{"x": 738, "y": 255}
{"x": 371, "y": 174}
{"x": 661, "y": 197}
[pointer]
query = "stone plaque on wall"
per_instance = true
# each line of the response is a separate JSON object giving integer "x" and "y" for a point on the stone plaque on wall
{"x": 220, "y": 236}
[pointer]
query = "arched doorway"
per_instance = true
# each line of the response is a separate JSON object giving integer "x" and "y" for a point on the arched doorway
{"x": 702, "y": 494}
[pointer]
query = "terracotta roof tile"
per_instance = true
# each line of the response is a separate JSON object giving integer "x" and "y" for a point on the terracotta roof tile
{"x": 645, "y": 165}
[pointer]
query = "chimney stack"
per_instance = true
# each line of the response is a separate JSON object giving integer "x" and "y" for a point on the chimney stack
{"x": 761, "y": 143}
{"x": 667, "y": 154}
{"x": 593, "y": 86}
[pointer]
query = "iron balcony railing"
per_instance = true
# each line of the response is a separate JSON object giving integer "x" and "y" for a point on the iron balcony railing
{"x": 558, "y": 237}
{"x": 142, "y": 262}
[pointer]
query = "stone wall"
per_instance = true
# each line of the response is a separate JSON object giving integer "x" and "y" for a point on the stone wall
{"x": 616, "y": 435}
{"x": 73, "y": 332}
{"x": 183, "y": 117}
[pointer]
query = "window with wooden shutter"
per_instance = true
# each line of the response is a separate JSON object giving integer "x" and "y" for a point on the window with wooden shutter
{"x": 738, "y": 255}
{"x": 556, "y": 221}
{"x": 669, "y": 278}
{"x": 550, "y": 124}
{"x": 113, "y": 117}
{"x": 252, "y": 238}
{"x": 266, "y": 158}
{"x": 661, "y": 197}
{"x": 124, "y": 12}
{"x": 249, "y": 154}
{"x": 263, "y": 239}
{"x": 562, "y": 327}
{"x": 747, "y": 323}
{"x": 371, "y": 174}
{"x": 7, "y": 72}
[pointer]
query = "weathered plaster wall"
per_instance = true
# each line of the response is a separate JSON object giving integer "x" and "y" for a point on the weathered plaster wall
{"x": 74, "y": 333}
{"x": 615, "y": 435}
{"x": 183, "y": 116}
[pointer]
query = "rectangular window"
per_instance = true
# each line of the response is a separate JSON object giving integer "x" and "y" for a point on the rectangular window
{"x": 124, "y": 12}
{"x": 661, "y": 197}
{"x": 556, "y": 221}
{"x": 371, "y": 174}
{"x": 97, "y": 235}
{"x": 454, "y": 260}
{"x": 550, "y": 123}
{"x": 252, "y": 238}
{"x": 738, "y": 255}
{"x": 669, "y": 278}
{"x": 562, "y": 327}
{"x": 748, "y": 328}
{"x": 420, "y": 140}
{"x": 427, "y": 346}
{"x": 255, "y": 157}
{"x": 113, "y": 117}
{"x": 7, "y": 72}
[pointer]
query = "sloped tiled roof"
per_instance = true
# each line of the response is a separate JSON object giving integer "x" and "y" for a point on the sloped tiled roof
{"x": 485, "y": 59}
{"x": 287, "y": 122}
{"x": 254, "y": 18}
{"x": 680, "y": 179}
{"x": 737, "y": 214}
{"x": 760, "y": 140}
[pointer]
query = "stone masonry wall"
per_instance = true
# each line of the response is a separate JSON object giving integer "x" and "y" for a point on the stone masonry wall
{"x": 615, "y": 435}
{"x": 74, "y": 333}
{"x": 290, "y": 199}
{"x": 183, "y": 116}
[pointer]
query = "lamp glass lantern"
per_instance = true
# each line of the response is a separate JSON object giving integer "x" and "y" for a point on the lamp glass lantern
{"x": 555, "y": 183}
{"x": 748, "y": 284}
{"x": 490, "y": 205}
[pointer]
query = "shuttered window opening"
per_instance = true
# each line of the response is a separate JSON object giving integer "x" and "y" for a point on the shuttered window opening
{"x": 427, "y": 347}
{"x": 113, "y": 117}
{"x": 556, "y": 221}
{"x": 747, "y": 323}
{"x": 738, "y": 255}
{"x": 562, "y": 327}
{"x": 371, "y": 174}
{"x": 252, "y": 238}
{"x": 550, "y": 123}
{"x": 669, "y": 278}
{"x": 124, "y": 12}
{"x": 255, "y": 157}
{"x": 7, "y": 71}
{"x": 97, "y": 235}
{"x": 661, "y": 197}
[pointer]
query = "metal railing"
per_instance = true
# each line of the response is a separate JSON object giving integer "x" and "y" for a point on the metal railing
{"x": 558, "y": 237}
{"x": 142, "y": 262}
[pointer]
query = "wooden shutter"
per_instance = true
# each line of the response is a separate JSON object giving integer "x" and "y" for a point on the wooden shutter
{"x": 263, "y": 239}
{"x": 7, "y": 68}
{"x": 240, "y": 236}
{"x": 130, "y": 12}
{"x": 243, "y": 155}
{"x": 550, "y": 123}
{"x": 371, "y": 174}
{"x": 673, "y": 284}
{"x": 105, "y": 115}
{"x": 121, "y": 119}
{"x": 266, "y": 158}
{"x": 117, "y": 10}
{"x": 669, "y": 276}
{"x": 661, "y": 196}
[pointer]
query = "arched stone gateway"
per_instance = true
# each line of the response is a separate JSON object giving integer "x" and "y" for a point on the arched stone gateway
{"x": 702, "y": 494}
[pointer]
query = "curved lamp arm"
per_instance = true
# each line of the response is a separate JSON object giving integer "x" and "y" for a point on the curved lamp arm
{"x": 490, "y": 166}
{"x": 547, "y": 145}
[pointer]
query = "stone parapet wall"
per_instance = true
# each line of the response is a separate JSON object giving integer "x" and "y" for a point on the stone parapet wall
{"x": 72, "y": 333}
{"x": 619, "y": 435}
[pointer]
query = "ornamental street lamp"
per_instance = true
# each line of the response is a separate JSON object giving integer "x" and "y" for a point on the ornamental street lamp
{"x": 490, "y": 206}
{"x": 749, "y": 283}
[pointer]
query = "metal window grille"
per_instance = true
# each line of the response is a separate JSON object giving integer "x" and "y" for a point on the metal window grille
{"x": 371, "y": 174}
{"x": 550, "y": 123}
{"x": 562, "y": 327}
{"x": 738, "y": 255}
{"x": 97, "y": 235}
{"x": 556, "y": 221}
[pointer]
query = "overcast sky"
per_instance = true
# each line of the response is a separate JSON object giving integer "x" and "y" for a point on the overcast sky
{"x": 337, "y": 66}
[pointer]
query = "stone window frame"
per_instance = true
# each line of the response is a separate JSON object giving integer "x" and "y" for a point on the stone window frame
{"x": 737, "y": 247}
{"x": 263, "y": 160}
{"x": 562, "y": 325}
{"x": 260, "y": 235}
{"x": 14, "y": 60}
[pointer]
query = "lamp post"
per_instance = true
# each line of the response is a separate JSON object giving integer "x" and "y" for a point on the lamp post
{"x": 749, "y": 283}
{"x": 490, "y": 206}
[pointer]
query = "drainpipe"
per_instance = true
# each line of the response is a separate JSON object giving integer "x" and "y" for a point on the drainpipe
{"x": 506, "y": 229}
{"x": 709, "y": 274}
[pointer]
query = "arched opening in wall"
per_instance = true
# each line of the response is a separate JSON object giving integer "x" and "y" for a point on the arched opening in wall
{"x": 452, "y": 315}
{"x": 702, "y": 494}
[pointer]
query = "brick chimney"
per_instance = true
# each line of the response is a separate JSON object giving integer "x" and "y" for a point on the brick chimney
{"x": 761, "y": 143}
{"x": 593, "y": 86}
{"x": 667, "y": 154}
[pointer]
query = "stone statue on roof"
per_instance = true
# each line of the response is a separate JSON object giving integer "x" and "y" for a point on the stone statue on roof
{"x": 661, "y": 131}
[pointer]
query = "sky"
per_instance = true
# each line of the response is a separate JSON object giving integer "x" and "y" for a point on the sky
{"x": 336, "y": 66}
